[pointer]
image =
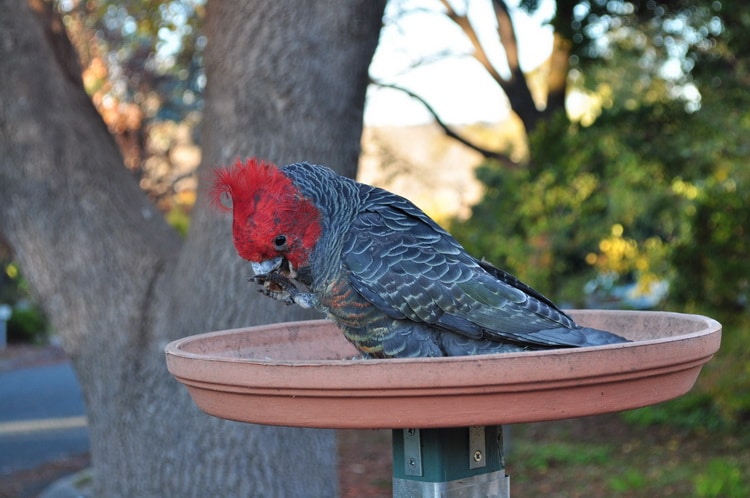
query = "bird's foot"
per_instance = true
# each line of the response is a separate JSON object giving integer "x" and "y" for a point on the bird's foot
{"x": 279, "y": 287}
{"x": 276, "y": 286}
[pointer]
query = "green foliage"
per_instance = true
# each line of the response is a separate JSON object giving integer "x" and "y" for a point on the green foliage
{"x": 723, "y": 477}
{"x": 634, "y": 462}
{"x": 27, "y": 324}
{"x": 727, "y": 377}
{"x": 179, "y": 218}
{"x": 12, "y": 285}
{"x": 653, "y": 190}
{"x": 695, "y": 412}
{"x": 592, "y": 202}
{"x": 720, "y": 401}
{"x": 543, "y": 457}
{"x": 713, "y": 253}
{"x": 630, "y": 480}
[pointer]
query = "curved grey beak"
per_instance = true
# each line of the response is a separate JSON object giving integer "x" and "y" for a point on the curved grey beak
{"x": 267, "y": 266}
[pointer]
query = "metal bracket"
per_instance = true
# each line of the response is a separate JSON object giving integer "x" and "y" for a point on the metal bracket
{"x": 454, "y": 462}
{"x": 477, "y": 448}
{"x": 412, "y": 452}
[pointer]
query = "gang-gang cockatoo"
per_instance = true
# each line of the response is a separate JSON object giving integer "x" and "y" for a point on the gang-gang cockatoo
{"x": 395, "y": 283}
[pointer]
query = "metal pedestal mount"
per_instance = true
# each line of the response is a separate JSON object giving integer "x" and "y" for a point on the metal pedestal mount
{"x": 463, "y": 462}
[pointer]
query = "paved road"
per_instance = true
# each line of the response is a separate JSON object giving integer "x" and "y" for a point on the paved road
{"x": 42, "y": 417}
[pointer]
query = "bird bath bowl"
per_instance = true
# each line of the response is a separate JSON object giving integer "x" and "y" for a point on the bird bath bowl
{"x": 303, "y": 374}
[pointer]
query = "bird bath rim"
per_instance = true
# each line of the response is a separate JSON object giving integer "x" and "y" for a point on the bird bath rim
{"x": 303, "y": 375}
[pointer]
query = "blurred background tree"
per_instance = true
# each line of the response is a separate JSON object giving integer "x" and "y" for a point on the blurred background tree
{"x": 116, "y": 281}
{"x": 640, "y": 196}
{"x": 629, "y": 188}
{"x": 143, "y": 68}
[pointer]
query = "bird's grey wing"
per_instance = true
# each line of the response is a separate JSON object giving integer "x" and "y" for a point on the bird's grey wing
{"x": 407, "y": 266}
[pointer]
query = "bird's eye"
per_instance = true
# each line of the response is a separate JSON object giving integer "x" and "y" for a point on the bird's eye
{"x": 280, "y": 242}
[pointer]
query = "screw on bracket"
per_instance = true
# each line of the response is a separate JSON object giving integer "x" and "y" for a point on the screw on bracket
{"x": 477, "y": 447}
{"x": 412, "y": 453}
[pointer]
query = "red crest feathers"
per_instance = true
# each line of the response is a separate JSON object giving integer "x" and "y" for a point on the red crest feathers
{"x": 265, "y": 204}
{"x": 243, "y": 180}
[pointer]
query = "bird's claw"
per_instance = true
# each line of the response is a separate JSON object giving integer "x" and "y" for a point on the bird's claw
{"x": 276, "y": 286}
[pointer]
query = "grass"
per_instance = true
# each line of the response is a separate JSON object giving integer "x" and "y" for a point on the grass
{"x": 606, "y": 456}
{"x": 593, "y": 456}
{"x": 723, "y": 477}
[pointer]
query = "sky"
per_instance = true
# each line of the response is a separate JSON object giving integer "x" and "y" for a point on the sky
{"x": 454, "y": 83}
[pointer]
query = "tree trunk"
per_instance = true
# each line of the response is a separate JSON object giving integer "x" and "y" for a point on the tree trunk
{"x": 557, "y": 81}
{"x": 286, "y": 81}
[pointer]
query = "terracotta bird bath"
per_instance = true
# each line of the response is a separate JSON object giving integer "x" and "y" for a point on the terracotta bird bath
{"x": 446, "y": 412}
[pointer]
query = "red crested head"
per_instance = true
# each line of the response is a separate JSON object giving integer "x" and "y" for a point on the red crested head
{"x": 271, "y": 217}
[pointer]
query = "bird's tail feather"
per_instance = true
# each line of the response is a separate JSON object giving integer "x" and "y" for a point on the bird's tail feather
{"x": 576, "y": 337}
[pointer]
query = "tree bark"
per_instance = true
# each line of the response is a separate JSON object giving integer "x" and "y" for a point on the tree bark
{"x": 515, "y": 87}
{"x": 286, "y": 81}
{"x": 557, "y": 81}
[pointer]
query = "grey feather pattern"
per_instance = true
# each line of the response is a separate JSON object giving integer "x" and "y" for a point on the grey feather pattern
{"x": 413, "y": 266}
{"x": 403, "y": 286}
